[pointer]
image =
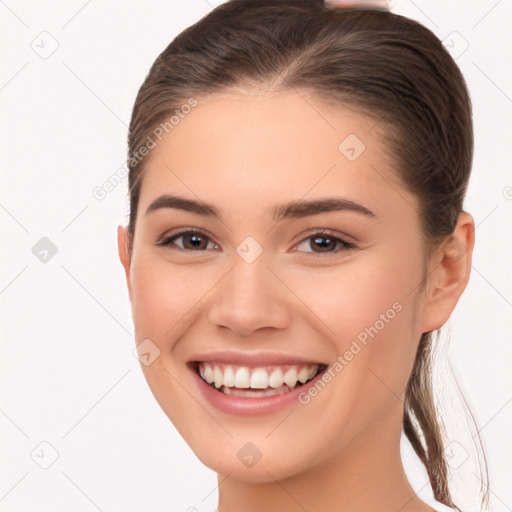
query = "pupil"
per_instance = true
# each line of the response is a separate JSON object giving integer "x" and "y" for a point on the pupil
{"x": 195, "y": 241}
{"x": 323, "y": 245}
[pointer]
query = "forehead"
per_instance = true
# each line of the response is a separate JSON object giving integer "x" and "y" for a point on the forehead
{"x": 249, "y": 148}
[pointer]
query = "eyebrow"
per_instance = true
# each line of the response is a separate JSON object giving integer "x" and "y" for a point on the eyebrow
{"x": 292, "y": 210}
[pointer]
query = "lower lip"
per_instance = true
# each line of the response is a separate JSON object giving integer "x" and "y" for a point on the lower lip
{"x": 250, "y": 406}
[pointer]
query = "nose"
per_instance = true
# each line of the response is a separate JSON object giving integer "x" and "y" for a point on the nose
{"x": 249, "y": 298}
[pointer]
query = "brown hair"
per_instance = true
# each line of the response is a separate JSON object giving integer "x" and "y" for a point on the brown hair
{"x": 381, "y": 64}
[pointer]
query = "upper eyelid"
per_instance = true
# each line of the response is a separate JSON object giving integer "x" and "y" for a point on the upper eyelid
{"x": 184, "y": 230}
{"x": 327, "y": 232}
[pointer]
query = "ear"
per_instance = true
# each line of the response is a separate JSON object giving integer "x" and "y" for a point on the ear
{"x": 124, "y": 256}
{"x": 449, "y": 270}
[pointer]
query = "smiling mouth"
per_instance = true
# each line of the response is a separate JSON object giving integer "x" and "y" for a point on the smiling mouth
{"x": 258, "y": 381}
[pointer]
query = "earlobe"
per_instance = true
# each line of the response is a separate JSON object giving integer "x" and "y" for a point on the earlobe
{"x": 124, "y": 257}
{"x": 449, "y": 272}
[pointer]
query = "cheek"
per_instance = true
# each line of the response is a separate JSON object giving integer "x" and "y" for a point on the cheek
{"x": 162, "y": 296}
{"x": 162, "y": 303}
{"x": 369, "y": 307}
{"x": 354, "y": 295}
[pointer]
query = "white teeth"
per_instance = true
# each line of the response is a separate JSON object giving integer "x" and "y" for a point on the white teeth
{"x": 303, "y": 375}
{"x": 218, "y": 377}
{"x": 290, "y": 377}
{"x": 273, "y": 379}
{"x": 276, "y": 378}
{"x": 242, "y": 378}
{"x": 259, "y": 379}
{"x": 208, "y": 374}
{"x": 268, "y": 392}
{"x": 229, "y": 377}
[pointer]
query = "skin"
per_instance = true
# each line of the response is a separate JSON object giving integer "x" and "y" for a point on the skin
{"x": 245, "y": 153}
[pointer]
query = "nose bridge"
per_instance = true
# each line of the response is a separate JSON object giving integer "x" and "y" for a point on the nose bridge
{"x": 248, "y": 298}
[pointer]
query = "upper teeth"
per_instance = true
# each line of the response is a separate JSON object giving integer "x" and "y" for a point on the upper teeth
{"x": 244, "y": 377}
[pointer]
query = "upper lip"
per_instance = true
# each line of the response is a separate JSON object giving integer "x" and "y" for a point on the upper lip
{"x": 254, "y": 358}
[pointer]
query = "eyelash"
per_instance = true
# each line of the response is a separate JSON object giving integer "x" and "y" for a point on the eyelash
{"x": 169, "y": 241}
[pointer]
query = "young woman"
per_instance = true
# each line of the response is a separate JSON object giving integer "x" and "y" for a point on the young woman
{"x": 296, "y": 236}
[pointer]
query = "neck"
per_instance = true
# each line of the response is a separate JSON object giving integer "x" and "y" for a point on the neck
{"x": 367, "y": 475}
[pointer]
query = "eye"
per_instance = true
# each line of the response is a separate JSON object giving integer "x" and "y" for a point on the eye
{"x": 190, "y": 240}
{"x": 326, "y": 243}
{"x": 196, "y": 240}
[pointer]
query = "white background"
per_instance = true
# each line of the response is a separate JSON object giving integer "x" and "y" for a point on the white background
{"x": 68, "y": 374}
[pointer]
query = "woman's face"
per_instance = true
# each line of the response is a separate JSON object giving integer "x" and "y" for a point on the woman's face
{"x": 307, "y": 255}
